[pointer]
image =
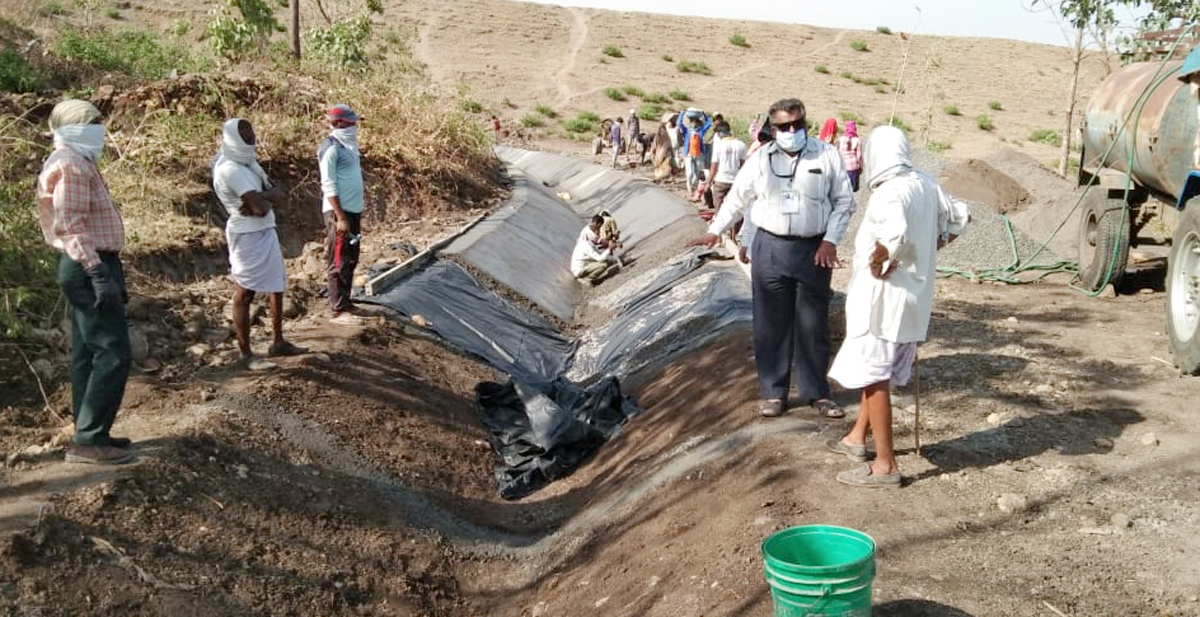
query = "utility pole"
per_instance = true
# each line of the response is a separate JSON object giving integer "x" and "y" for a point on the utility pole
{"x": 295, "y": 29}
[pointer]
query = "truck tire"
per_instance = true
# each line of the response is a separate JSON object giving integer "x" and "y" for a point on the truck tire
{"x": 1103, "y": 239}
{"x": 1183, "y": 290}
{"x": 597, "y": 146}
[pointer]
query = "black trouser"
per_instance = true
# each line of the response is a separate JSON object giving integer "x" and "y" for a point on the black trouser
{"x": 341, "y": 258}
{"x": 100, "y": 352}
{"x": 791, "y": 316}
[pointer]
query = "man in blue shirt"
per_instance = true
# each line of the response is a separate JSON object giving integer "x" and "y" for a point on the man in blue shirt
{"x": 342, "y": 207}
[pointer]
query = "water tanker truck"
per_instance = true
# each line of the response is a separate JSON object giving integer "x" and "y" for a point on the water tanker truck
{"x": 1141, "y": 156}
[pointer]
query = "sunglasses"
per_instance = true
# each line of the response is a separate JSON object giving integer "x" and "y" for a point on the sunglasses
{"x": 789, "y": 127}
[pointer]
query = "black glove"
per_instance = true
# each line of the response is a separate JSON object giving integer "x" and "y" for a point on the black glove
{"x": 108, "y": 293}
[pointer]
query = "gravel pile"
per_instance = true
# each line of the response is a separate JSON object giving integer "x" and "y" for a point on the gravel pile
{"x": 988, "y": 243}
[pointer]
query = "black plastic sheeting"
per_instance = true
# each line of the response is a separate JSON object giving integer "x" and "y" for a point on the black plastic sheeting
{"x": 542, "y": 425}
{"x": 543, "y": 432}
{"x": 480, "y": 322}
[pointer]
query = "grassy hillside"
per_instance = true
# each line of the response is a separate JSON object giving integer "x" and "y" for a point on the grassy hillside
{"x": 166, "y": 92}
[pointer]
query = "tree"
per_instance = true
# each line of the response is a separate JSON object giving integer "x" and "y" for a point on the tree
{"x": 296, "y": 29}
{"x": 1083, "y": 16}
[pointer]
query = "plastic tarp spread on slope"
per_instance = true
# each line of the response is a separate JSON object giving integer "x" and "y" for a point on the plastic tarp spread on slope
{"x": 564, "y": 398}
{"x": 482, "y": 323}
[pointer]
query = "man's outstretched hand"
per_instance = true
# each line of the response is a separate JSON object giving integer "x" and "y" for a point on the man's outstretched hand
{"x": 707, "y": 241}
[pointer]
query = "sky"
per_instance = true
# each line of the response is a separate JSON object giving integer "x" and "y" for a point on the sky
{"x": 1008, "y": 19}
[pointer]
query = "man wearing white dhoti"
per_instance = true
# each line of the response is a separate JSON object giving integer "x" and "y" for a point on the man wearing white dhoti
{"x": 889, "y": 299}
{"x": 255, "y": 256}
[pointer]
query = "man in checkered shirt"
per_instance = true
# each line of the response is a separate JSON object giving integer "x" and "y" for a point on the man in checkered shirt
{"x": 79, "y": 220}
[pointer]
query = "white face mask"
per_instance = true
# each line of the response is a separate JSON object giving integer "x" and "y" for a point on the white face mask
{"x": 86, "y": 139}
{"x": 347, "y": 136}
{"x": 791, "y": 142}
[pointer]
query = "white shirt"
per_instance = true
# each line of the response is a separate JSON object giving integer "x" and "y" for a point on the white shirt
{"x": 806, "y": 195}
{"x": 906, "y": 215}
{"x": 230, "y": 182}
{"x": 729, "y": 153}
{"x": 586, "y": 251}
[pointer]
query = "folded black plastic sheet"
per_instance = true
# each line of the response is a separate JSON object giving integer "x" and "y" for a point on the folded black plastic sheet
{"x": 543, "y": 432}
{"x": 478, "y": 321}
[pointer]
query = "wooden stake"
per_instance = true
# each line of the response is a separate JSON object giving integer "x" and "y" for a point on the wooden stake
{"x": 917, "y": 403}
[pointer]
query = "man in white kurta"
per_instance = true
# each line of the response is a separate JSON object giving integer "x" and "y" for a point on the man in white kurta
{"x": 889, "y": 299}
{"x": 255, "y": 257}
{"x": 593, "y": 255}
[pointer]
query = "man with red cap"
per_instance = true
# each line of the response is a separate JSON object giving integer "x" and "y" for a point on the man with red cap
{"x": 342, "y": 206}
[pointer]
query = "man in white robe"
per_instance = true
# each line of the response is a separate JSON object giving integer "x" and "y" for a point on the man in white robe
{"x": 889, "y": 299}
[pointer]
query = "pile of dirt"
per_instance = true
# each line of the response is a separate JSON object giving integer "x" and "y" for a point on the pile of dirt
{"x": 977, "y": 180}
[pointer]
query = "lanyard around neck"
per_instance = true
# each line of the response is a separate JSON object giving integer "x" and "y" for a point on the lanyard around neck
{"x": 795, "y": 166}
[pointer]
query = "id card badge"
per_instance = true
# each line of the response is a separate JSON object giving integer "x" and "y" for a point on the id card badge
{"x": 791, "y": 202}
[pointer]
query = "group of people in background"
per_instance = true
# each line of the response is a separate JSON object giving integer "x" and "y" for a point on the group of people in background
{"x": 79, "y": 220}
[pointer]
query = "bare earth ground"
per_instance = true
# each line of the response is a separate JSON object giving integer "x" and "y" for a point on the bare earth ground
{"x": 1057, "y": 475}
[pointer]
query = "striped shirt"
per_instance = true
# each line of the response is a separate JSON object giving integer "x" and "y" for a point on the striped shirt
{"x": 75, "y": 210}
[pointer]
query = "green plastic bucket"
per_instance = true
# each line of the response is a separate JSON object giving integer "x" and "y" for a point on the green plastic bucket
{"x": 820, "y": 571}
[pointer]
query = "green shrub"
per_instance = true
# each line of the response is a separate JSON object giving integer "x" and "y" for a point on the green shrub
{"x": 614, "y": 94}
{"x": 633, "y": 91}
{"x": 532, "y": 120}
{"x": 660, "y": 99}
{"x": 738, "y": 40}
{"x": 680, "y": 95}
{"x": 137, "y": 53}
{"x": 668, "y": 57}
{"x": 1046, "y": 136}
{"x": 985, "y": 123}
{"x": 588, "y": 116}
{"x": 883, "y": 30}
{"x": 937, "y": 147}
{"x": 900, "y": 124}
{"x": 951, "y": 110}
{"x": 612, "y": 51}
{"x": 470, "y": 105}
{"x": 858, "y": 45}
{"x": 180, "y": 27}
{"x": 650, "y": 111}
{"x": 578, "y": 125}
{"x": 15, "y": 73}
{"x": 113, "y": 14}
{"x": 846, "y": 75}
{"x": 851, "y": 116}
{"x": 880, "y": 90}
{"x": 545, "y": 110}
{"x": 994, "y": 105}
{"x": 821, "y": 68}
{"x": 28, "y": 293}
{"x": 239, "y": 27}
{"x": 343, "y": 43}
{"x": 51, "y": 9}
{"x": 687, "y": 66}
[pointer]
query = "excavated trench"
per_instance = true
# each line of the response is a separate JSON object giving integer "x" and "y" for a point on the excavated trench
{"x": 672, "y": 328}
